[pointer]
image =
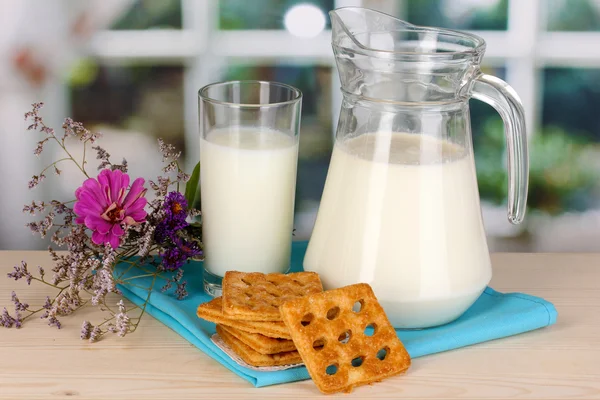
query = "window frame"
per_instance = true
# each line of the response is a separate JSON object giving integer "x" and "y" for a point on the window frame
{"x": 524, "y": 48}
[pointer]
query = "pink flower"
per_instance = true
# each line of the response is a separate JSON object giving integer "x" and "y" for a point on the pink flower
{"x": 104, "y": 205}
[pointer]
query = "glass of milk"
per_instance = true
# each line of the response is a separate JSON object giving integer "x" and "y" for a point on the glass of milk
{"x": 248, "y": 155}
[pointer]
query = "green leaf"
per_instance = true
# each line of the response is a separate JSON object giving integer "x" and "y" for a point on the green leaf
{"x": 191, "y": 187}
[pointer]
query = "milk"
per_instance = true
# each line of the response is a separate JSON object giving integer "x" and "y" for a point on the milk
{"x": 402, "y": 214}
{"x": 248, "y": 181}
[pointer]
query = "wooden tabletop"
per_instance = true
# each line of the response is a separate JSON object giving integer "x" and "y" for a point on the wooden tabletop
{"x": 561, "y": 361}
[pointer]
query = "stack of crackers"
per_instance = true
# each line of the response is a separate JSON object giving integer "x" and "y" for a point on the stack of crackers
{"x": 248, "y": 318}
{"x": 342, "y": 336}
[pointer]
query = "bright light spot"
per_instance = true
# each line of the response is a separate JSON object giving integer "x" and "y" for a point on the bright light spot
{"x": 304, "y": 20}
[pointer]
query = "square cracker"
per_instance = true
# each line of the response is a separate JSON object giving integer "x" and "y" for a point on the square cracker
{"x": 213, "y": 311}
{"x": 256, "y": 297}
{"x": 360, "y": 344}
{"x": 254, "y": 358}
{"x": 260, "y": 343}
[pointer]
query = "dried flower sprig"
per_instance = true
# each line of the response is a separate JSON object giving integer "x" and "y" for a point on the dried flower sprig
{"x": 109, "y": 222}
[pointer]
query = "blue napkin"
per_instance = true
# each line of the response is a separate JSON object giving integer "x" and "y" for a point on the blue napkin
{"x": 494, "y": 315}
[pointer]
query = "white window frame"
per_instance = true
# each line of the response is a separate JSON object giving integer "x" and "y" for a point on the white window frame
{"x": 524, "y": 49}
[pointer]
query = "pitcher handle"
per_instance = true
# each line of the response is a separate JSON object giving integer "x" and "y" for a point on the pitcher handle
{"x": 504, "y": 99}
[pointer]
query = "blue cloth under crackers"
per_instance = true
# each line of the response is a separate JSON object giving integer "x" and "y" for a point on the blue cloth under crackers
{"x": 494, "y": 315}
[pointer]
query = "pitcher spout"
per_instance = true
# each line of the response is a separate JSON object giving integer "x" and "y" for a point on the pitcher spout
{"x": 356, "y": 28}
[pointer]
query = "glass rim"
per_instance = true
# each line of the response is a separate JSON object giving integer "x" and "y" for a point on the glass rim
{"x": 203, "y": 93}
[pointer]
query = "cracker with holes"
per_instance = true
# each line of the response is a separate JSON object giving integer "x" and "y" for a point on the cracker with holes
{"x": 213, "y": 311}
{"x": 256, "y": 297}
{"x": 255, "y": 358}
{"x": 260, "y": 343}
{"x": 359, "y": 345}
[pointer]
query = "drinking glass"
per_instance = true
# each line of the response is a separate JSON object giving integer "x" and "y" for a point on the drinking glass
{"x": 249, "y": 134}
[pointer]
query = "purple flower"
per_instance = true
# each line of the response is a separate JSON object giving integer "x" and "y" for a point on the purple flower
{"x": 180, "y": 291}
{"x": 104, "y": 205}
{"x": 175, "y": 207}
{"x": 95, "y": 334}
{"x": 174, "y": 257}
{"x": 122, "y": 320}
{"x": 18, "y": 305}
{"x": 176, "y": 250}
{"x": 6, "y": 320}
{"x": 168, "y": 151}
{"x": 53, "y": 321}
{"x": 20, "y": 271}
{"x": 36, "y": 180}
{"x": 86, "y": 330}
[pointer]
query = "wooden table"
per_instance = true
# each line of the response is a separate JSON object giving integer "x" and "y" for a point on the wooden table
{"x": 562, "y": 361}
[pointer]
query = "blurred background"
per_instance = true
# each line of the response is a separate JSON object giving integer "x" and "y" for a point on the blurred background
{"x": 132, "y": 69}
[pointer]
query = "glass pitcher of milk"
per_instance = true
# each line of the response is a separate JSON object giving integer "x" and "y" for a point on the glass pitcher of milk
{"x": 400, "y": 209}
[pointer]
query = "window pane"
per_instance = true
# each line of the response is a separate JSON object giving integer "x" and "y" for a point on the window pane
{"x": 573, "y": 15}
{"x": 132, "y": 106}
{"x": 262, "y": 14}
{"x": 147, "y": 99}
{"x": 316, "y": 139}
{"x": 457, "y": 14}
{"x": 151, "y": 14}
{"x": 565, "y": 171}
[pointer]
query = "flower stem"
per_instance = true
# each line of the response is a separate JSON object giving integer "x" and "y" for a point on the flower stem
{"x": 83, "y": 159}
{"x": 54, "y": 163}
{"x": 131, "y": 265}
{"x": 145, "y": 304}
{"x": 106, "y": 321}
{"x": 62, "y": 145}
{"x": 61, "y": 288}
{"x": 143, "y": 287}
{"x": 31, "y": 312}
{"x": 138, "y": 276}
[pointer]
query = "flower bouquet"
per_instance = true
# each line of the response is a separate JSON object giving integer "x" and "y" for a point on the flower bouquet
{"x": 110, "y": 221}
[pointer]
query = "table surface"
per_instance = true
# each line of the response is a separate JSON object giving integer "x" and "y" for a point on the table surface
{"x": 561, "y": 361}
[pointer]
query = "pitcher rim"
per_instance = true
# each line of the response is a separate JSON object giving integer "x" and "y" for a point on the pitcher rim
{"x": 476, "y": 50}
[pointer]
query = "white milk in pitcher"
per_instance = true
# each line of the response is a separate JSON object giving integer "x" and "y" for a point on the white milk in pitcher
{"x": 248, "y": 183}
{"x": 402, "y": 213}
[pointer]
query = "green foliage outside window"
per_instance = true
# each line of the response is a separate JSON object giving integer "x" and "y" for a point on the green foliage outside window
{"x": 561, "y": 169}
{"x": 457, "y": 14}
